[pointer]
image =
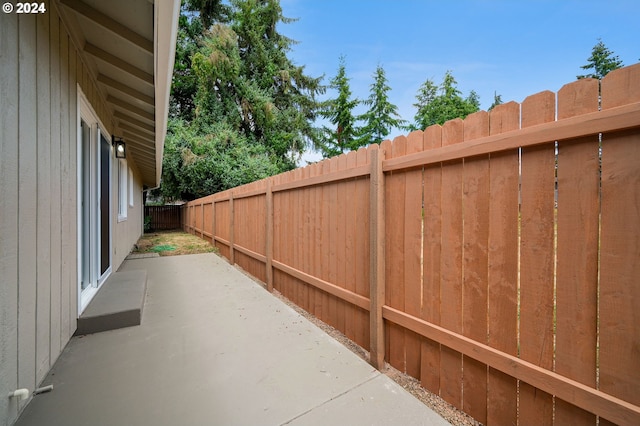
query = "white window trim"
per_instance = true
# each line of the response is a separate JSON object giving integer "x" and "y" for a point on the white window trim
{"x": 86, "y": 112}
{"x": 123, "y": 188}
{"x": 130, "y": 187}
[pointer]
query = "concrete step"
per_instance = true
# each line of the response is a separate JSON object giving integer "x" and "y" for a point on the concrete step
{"x": 118, "y": 304}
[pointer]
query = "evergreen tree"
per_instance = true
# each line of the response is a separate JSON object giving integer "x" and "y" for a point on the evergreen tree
{"x": 339, "y": 111}
{"x": 238, "y": 100}
{"x": 382, "y": 115}
{"x": 497, "y": 100}
{"x": 601, "y": 61}
{"x": 437, "y": 104}
{"x": 278, "y": 99}
{"x": 195, "y": 18}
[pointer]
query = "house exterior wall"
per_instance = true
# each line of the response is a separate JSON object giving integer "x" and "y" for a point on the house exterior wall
{"x": 40, "y": 73}
{"x": 126, "y": 232}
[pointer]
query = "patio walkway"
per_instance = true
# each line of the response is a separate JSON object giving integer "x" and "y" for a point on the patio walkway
{"x": 215, "y": 348}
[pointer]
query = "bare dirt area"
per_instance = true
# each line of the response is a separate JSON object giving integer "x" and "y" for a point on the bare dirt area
{"x": 172, "y": 243}
{"x": 410, "y": 384}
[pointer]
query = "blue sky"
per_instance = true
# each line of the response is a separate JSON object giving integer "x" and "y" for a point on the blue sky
{"x": 515, "y": 48}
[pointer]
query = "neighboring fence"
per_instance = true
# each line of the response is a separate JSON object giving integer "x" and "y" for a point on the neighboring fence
{"x": 499, "y": 256}
{"x": 164, "y": 217}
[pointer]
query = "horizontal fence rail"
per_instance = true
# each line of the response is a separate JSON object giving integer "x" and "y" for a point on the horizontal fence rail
{"x": 493, "y": 258}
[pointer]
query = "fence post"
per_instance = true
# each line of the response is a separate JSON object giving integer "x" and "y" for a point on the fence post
{"x": 232, "y": 257}
{"x": 269, "y": 237}
{"x": 377, "y": 266}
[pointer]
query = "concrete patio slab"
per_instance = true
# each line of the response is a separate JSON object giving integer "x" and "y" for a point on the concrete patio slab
{"x": 215, "y": 348}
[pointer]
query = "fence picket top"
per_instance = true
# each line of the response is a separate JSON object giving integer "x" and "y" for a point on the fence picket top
{"x": 577, "y": 98}
{"x": 398, "y": 146}
{"x": 432, "y": 137}
{"x": 504, "y": 118}
{"x": 621, "y": 87}
{"x": 539, "y": 108}
{"x": 452, "y": 132}
{"x": 476, "y": 125}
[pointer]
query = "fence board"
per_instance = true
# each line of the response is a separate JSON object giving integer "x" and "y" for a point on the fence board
{"x": 222, "y": 227}
{"x": 502, "y": 402}
{"x": 333, "y": 242}
{"x": 350, "y": 249}
{"x": 325, "y": 243}
{"x": 306, "y": 239}
{"x": 340, "y": 244}
{"x": 413, "y": 253}
{"x": 430, "y": 350}
{"x": 362, "y": 243}
{"x": 537, "y": 258}
{"x": 277, "y": 232}
{"x": 577, "y": 258}
{"x": 620, "y": 246}
{"x": 475, "y": 202}
{"x": 394, "y": 253}
{"x": 287, "y": 238}
{"x": 316, "y": 235}
{"x": 208, "y": 221}
{"x": 296, "y": 290}
{"x": 451, "y": 266}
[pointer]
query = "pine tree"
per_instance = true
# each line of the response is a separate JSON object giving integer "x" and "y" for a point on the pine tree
{"x": 602, "y": 61}
{"x": 382, "y": 115}
{"x": 241, "y": 110}
{"x": 497, "y": 100}
{"x": 339, "y": 111}
{"x": 437, "y": 104}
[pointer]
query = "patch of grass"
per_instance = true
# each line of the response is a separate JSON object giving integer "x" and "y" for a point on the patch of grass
{"x": 172, "y": 243}
{"x": 162, "y": 247}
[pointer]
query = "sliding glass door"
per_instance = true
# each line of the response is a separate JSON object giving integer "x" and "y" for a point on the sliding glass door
{"x": 94, "y": 196}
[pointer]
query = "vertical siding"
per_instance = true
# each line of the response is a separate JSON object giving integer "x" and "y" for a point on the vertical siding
{"x": 127, "y": 232}
{"x": 55, "y": 190}
{"x": 43, "y": 229}
{"x": 27, "y": 200}
{"x": 41, "y": 70}
{"x": 8, "y": 213}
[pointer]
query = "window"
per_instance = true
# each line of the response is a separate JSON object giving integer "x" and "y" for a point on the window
{"x": 122, "y": 189}
{"x": 130, "y": 188}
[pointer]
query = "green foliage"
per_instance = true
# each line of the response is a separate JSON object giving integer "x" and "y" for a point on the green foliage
{"x": 196, "y": 16}
{"x": 382, "y": 115}
{"x": 602, "y": 61}
{"x": 497, "y": 100}
{"x": 240, "y": 109}
{"x": 195, "y": 166}
{"x": 339, "y": 111}
{"x": 438, "y": 104}
{"x": 147, "y": 223}
{"x": 276, "y": 98}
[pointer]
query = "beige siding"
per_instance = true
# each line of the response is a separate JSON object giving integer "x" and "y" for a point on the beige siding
{"x": 27, "y": 200}
{"x": 126, "y": 232}
{"x": 40, "y": 72}
{"x": 8, "y": 213}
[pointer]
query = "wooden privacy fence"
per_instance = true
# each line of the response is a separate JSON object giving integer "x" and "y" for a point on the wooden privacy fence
{"x": 164, "y": 217}
{"x": 494, "y": 258}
